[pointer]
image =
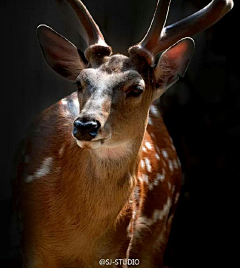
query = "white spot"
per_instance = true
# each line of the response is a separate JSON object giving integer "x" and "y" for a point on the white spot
{"x": 44, "y": 169}
{"x": 76, "y": 103}
{"x": 148, "y": 165}
{"x": 150, "y": 186}
{"x": 143, "y": 223}
{"x": 145, "y": 178}
{"x": 154, "y": 111}
{"x": 137, "y": 192}
{"x": 29, "y": 178}
{"x": 144, "y": 149}
{"x": 61, "y": 150}
{"x": 156, "y": 182}
{"x": 169, "y": 186}
{"x": 150, "y": 122}
{"x": 64, "y": 102}
{"x": 179, "y": 163}
{"x": 164, "y": 212}
{"x": 173, "y": 189}
{"x": 170, "y": 165}
{"x": 173, "y": 147}
{"x": 152, "y": 135}
{"x": 160, "y": 177}
{"x": 157, "y": 156}
{"x": 156, "y": 215}
{"x": 142, "y": 164}
{"x": 175, "y": 164}
{"x": 134, "y": 214}
{"x": 176, "y": 198}
{"x": 148, "y": 145}
{"x": 164, "y": 153}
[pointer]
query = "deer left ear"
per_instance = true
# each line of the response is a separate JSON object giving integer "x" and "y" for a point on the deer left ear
{"x": 173, "y": 64}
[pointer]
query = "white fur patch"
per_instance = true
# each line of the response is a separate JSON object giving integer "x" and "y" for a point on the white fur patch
{"x": 157, "y": 156}
{"x": 175, "y": 164}
{"x": 148, "y": 165}
{"x": 176, "y": 198}
{"x": 173, "y": 147}
{"x": 169, "y": 185}
{"x": 61, "y": 151}
{"x": 150, "y": 186}
{"x": 144, "y": 149}
{"x": 160, "y": 177}
{"x": 148, "y": 145}
{"x": 145, "y": 178}
{"x": 150, "y": 122}
{"x": 164, "y": 153}
{"x": 44, "y": 170}
{"x": 142, "y": 164}
{"x": 64, "y": 102}
{"x": 143, "y": 223}
{"x": 170, "y": 165}
{"x": 164, "y": 212}
{"x": 154, "y": 111}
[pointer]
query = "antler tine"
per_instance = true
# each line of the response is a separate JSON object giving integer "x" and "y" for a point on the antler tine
{"x": 159, "y": 38}
{"x": 193, "y": 24}
{"x": 93, "y": 34}
{"x": 157, "y": 24}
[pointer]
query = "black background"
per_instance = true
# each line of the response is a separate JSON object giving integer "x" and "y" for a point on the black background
{"x": 201, "y": 112}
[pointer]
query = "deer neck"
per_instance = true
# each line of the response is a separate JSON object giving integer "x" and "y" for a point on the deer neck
{"x": 104, "y": 184}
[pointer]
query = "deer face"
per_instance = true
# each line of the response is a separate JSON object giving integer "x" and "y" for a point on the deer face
{"x": 114, "y": 98}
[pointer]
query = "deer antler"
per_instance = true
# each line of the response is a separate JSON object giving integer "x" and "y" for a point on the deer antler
{"x": 159, "y": 38}
{"x": 94, "y": 37}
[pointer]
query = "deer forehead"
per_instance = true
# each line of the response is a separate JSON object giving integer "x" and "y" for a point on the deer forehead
{"x": 116, "y": 71}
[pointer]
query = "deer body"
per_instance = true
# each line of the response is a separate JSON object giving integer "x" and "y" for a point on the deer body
{"x": 100, "y": 206}
{"x": 101, "y": 177}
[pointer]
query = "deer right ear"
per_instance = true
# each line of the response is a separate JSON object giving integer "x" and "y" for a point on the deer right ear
{"x": 173, "y": 64}
{"x": 61, "y": 55}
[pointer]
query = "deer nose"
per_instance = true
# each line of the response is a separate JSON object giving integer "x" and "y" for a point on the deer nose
{"x": 85, "y": 129}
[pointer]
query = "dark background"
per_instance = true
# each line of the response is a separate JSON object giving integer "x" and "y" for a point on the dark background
{"x": 201, "y": 112}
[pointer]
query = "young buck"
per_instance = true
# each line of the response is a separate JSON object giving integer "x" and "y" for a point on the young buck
{"x": 101, "y": 178}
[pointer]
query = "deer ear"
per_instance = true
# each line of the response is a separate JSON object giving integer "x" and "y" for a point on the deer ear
{"x": 61, "y": 55}
{"x": 173, "y": 64}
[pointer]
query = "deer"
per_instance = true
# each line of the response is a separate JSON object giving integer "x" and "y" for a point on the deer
{"x": 100, "y": 178}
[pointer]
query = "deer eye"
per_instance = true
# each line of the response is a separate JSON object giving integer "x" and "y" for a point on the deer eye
{"x": 135, "y": 91}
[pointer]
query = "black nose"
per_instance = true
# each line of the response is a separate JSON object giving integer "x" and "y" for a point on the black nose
{"x": 85, "y": 129}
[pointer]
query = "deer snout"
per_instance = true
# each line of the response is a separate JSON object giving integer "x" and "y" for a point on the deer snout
{"x": 85, "y": 129}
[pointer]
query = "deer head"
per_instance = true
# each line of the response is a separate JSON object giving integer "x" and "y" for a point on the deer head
{"x": 115, "y": 91}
